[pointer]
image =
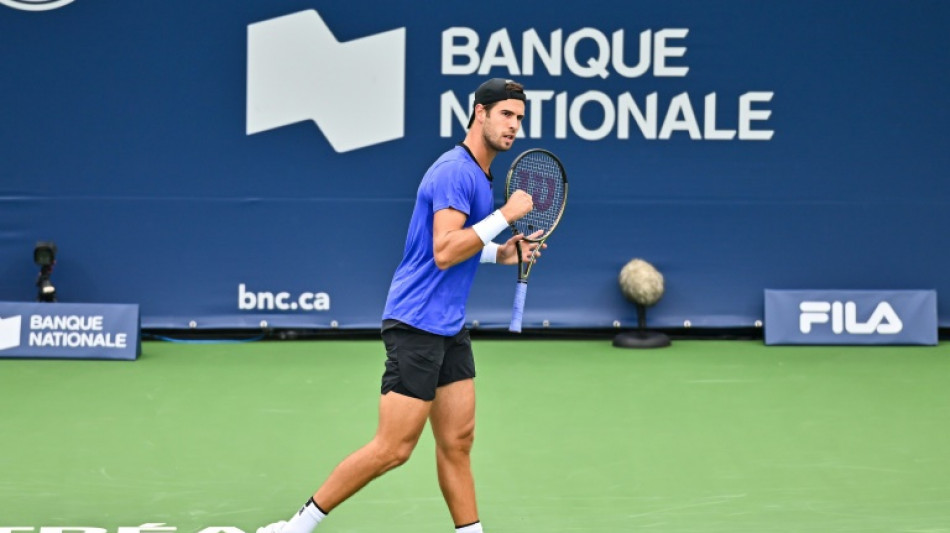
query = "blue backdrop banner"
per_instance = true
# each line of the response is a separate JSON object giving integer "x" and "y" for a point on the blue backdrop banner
{"x": 239, "y": 164}
{"x": 850, "y": 317}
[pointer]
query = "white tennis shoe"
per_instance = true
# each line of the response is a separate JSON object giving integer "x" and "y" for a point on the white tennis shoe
{"x": 276, "y": 527}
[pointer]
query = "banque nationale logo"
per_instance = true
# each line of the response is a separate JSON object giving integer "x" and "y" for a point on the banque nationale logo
{"x": 35, "y": 5}
{"x": 297, "y": 70}
{"x": 10, "y": 333}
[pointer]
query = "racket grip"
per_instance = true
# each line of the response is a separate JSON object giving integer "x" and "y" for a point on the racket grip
{"x": 518, "y": 309}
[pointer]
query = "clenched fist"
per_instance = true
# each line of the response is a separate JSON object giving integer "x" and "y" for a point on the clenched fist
{"x": 517, "y": 206}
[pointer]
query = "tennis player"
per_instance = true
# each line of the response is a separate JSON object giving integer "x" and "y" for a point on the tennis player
{"x": 430, "y": 367}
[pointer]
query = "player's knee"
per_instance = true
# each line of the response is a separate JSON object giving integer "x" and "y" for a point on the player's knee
{"x": 459, "y": 443}
{"x": 402, "y": 454}
{"x": 394, "y": 455}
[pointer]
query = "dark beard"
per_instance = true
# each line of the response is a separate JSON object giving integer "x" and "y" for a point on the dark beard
{"x": 491, "y": 144}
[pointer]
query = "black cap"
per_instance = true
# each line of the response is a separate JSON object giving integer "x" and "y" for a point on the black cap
{"x": 494, "y": 90}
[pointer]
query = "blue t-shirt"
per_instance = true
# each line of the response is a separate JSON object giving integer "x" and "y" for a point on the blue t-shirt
{"x": 421, "y": 295}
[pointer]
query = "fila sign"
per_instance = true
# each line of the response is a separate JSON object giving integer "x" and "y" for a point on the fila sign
{"x": 843, "y": 318}
{"x": 850, "y": 317}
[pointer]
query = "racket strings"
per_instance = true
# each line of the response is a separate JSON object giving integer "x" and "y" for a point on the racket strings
{"x": 541, "y": 176}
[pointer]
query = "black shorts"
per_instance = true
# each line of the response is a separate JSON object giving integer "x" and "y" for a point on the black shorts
{"x": 418, "y": 362}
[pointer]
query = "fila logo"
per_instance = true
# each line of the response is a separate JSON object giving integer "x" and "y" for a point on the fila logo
{"x": 35, "y": 5}
{"x": 353, "y": 91}
{"x": 10, "y": 332}
{"x": 843, "y": 317}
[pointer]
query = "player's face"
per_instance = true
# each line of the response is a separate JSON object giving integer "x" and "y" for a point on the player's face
{"x": 502, "y": 124}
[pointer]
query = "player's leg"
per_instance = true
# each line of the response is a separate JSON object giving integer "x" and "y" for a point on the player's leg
{"x": 401, "y": 420}
{"x": 453, "y": 424}
{"x": 413, "y": 359}
{"x": 408, "y": 388}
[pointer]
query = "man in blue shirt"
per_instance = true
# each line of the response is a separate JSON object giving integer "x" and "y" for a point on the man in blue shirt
{"x": 430, "y": 367}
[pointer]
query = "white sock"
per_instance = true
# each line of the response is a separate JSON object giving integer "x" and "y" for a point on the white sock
{"x": 471, "y": 528}
{"x": 306, "y": 519}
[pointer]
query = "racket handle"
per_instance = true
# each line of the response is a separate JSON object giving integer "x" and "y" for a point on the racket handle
{"x": 518, "y": 310}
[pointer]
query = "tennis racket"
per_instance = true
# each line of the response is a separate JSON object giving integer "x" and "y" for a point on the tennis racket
{"x": 540, "y": 174}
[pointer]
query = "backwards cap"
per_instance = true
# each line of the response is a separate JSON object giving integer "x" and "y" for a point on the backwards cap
{"x": 494, "y": 90}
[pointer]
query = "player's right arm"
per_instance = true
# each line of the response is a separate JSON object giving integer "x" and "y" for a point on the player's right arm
{"x": 453, "y": 243}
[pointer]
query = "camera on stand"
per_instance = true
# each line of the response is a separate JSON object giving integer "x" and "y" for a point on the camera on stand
{"x": 44, "y": 255}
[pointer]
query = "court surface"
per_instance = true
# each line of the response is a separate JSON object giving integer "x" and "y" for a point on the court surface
{"x": 573, "y": 436}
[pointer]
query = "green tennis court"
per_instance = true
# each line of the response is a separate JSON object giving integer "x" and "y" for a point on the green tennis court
{"x": 573, "y": 436}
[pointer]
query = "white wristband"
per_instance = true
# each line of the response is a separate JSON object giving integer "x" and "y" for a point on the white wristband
{"x": 489, "y": 253}
{"x": 489, "y": 227}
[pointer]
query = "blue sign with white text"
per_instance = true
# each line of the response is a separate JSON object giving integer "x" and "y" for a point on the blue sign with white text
{"x": 850, "y": 317}
{"x": 69, "y": 331}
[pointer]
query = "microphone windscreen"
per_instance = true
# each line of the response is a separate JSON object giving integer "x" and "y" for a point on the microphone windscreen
{"x": 641, "y": 283}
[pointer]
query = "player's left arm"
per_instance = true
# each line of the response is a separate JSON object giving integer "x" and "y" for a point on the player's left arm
{"x": 508, "y": 252}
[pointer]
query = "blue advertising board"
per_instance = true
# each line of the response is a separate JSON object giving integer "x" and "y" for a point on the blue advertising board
{"x": 69, "y": 331}
{"x": 235, "y": 164}
{"x": 850, "y": 317}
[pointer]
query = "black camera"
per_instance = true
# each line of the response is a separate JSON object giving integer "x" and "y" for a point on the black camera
{"x": 44, "y": 255}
